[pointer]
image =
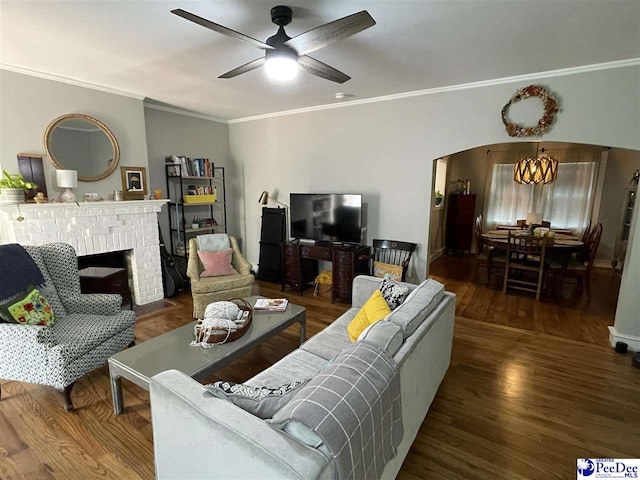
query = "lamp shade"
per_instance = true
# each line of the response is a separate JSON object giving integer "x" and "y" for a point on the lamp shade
{"x": 534, "y": 170}
{"x": 534, "y": 218}
{"x": 264, "y": 198}
{"x": 67, "y": 178}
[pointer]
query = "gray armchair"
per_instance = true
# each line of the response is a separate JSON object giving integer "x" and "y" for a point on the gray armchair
{"x": 88, "y": 328}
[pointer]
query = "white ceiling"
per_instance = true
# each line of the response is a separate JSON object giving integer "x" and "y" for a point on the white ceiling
{"x": 140, "y": 48}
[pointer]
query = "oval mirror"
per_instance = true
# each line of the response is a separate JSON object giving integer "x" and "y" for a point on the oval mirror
{"x": 82, "y": 143}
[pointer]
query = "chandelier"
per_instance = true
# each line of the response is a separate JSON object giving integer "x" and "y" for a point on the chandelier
{"x": 534, "y": 170}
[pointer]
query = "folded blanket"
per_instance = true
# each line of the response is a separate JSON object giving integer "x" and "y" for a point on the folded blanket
{"x": 17, "y": 271}
{"x": 354, "y": 406}
{"x": 214, "y": 242}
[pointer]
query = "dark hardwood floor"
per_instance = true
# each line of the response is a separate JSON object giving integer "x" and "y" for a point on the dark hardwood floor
{"x": 568, "y": 314}
{"x": 516, "y": 403}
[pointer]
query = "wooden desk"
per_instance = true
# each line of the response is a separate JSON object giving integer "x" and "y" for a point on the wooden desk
{"x": 300, "y": 265}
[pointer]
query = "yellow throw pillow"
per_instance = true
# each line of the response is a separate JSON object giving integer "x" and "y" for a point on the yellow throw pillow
{"x": 375, "y": 309}
{"x": 379, "y": 269}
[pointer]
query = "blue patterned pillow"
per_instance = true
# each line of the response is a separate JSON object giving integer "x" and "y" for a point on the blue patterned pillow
{"x": 393, "y": 292}
{"x": 263, "y": 402}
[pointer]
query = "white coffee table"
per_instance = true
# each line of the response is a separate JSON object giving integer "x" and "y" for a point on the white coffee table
{"x": 171, "y": 351}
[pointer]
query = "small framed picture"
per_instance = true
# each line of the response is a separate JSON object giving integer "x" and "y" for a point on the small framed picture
{"x": 134, "y": 181}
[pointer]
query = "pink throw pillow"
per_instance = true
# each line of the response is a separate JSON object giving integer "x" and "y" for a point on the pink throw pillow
{"x": 216, "y": 263}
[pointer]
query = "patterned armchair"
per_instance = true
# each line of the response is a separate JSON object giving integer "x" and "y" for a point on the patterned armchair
{"x": 88, "y": 328}
{"x": 206, "y": 290}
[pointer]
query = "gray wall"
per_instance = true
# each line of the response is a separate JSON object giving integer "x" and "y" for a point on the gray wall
{"x": 620, "y": 167}
{"x": 385, "y": 149}
{"x": 173, "y": 134}
{"x": 28, "y": 104}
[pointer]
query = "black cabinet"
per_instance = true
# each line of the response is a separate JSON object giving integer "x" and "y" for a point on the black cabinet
{"x": 272, "y": 235}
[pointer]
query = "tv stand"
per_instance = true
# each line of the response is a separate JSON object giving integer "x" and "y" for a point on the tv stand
{"x": 300, "y": 265}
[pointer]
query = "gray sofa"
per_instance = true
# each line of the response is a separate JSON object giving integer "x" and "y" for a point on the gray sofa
{"x": 199, "y": 436}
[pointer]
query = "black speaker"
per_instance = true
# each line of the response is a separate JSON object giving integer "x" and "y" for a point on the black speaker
{"x": 274, "y": 227}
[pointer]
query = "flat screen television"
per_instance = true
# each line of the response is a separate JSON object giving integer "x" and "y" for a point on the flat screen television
{"x": 335, "y": 217}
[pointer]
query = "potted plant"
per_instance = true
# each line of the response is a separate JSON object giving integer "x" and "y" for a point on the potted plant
{"x": 438, "y": 197}
{"x": 13, "y": 188}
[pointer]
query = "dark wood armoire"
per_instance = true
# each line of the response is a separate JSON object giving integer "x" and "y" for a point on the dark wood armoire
{"x": 460, "y": 216}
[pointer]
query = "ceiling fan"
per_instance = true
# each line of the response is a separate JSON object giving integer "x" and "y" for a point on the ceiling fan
{"x": 284, "y": 54}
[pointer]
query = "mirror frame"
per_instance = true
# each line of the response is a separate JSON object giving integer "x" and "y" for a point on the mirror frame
{"x": 79, "y": 116}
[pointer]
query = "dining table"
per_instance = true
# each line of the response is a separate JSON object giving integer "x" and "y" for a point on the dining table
{"x": 561, "y": 242}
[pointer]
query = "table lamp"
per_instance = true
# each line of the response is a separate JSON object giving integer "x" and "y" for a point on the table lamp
{"x": 67, "y": 179}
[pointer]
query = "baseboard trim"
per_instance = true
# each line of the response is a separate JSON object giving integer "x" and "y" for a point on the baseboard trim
{"x": 632, "y": 341}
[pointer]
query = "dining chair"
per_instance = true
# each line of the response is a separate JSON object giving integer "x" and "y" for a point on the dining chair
{"x": 486, "y": 256}
{"x": 523, "y": 224}
{"x": 580, "y": 267}
{"x": 389, "y": 253}
{"x": 525, "y": 256}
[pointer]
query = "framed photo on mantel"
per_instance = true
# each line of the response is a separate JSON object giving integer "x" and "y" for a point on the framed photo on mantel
{"x": 134, "y": 182}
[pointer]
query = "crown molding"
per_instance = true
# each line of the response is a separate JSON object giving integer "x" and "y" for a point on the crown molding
{"x": 464, "y": 86}
{"x": 187, "y": 113}
{"x": 68, "y": 80}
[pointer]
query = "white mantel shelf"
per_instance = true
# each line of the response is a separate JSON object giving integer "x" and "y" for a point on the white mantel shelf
{"x": 92, "y": 228}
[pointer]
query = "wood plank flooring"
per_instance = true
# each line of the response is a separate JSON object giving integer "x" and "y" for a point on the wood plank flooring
{"x": 568, "y": 314}
{"x": 516, "y": 403}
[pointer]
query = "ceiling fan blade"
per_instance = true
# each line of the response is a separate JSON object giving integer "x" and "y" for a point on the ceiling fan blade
{"x": 332, "y": 32}
{"x": 319, "y": 69}
{"x": 247, "y": 67}
{"x": 220, "y": 29}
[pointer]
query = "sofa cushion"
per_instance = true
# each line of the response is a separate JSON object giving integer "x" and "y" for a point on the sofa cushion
{"x": 393, "y": 292}
{"x": 386, "y": 335}
{"x": 420, "y": 302}
{"x": 330, "y": 341}
{"x": 220, "y": 284}
{"x": 216, "y": 263}
{"x": 263, "y": 402}
{"x": 298, "y": 365}
{"x": 374, "y": 310}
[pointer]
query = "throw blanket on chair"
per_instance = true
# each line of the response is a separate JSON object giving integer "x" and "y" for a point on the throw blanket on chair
{"x": 353, "y": 405}
{"x": 17, "y": 271}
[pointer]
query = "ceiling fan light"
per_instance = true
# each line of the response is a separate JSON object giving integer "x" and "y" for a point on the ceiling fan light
{"x": 282, "y": 68}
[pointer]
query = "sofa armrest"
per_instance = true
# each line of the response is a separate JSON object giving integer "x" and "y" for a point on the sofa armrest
{"x": 14, "y": 333}
{"x": 93, "y": 303}
{"x": 199, "y": 436}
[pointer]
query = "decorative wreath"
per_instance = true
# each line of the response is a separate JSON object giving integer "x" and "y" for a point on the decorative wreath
{"x": 550, "y": 109}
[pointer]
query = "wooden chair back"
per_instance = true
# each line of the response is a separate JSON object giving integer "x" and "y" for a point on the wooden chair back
{"x": 592, "y": 245}
{"x": 393, "y": 252}
{"x": 477, "y": 230}
{"x": 525, "y": 253}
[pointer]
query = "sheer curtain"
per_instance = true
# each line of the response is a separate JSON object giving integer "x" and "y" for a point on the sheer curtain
{"x": 507, "y": 201}
{"x": 566, "y": 203}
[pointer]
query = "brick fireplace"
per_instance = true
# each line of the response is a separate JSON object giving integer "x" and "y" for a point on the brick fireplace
{"x": 95, "y": 228}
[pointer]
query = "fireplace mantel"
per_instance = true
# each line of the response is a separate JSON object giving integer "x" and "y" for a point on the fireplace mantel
{"x": 93, "y": 228}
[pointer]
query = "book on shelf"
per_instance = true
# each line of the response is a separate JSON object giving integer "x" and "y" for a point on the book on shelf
{"x": 271, "y": 305}
{"x": 182, "y": 166}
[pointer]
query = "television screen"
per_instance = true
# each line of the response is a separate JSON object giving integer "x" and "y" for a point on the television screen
{"x": 326, "y": 216}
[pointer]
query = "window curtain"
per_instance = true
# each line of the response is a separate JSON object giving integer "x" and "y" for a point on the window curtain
{"x": 506, "y": 200}
{"x": 566, "y": 203}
